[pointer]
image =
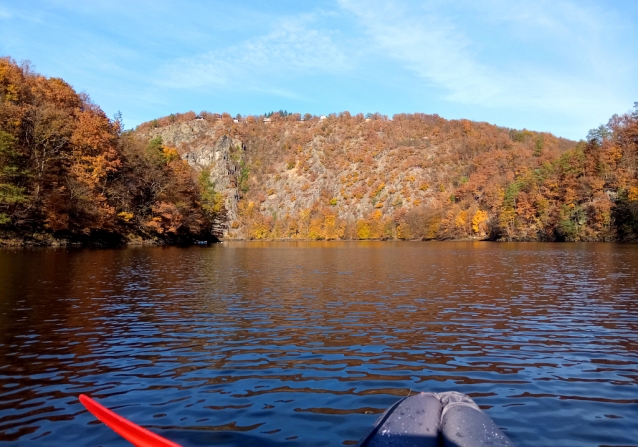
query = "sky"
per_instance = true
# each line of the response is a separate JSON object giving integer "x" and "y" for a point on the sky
{"x": 561, "y": 66}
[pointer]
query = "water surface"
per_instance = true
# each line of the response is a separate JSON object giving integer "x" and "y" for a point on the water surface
{"x": 304, "y": 344}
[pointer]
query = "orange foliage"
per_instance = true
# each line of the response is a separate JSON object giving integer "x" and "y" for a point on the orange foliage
{"x": 67, "y": 170}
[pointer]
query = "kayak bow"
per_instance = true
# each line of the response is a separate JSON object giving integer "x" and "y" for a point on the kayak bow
{"x": 138, "y": 436}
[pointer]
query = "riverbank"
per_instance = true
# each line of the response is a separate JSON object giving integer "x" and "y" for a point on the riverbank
{"x": 115, "y": 241}
{"x": 99, "y": 240}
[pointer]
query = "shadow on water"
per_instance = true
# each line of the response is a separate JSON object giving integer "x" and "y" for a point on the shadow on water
{"x": 306, "y": 343}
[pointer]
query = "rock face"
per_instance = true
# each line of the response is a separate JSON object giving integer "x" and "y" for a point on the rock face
{"x": 202, "y": 146}
{"x": 414, "y": 177}
{"x": 223, "y": 159}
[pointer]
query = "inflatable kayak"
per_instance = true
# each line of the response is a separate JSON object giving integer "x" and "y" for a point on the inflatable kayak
{"x": 448, "y": 419}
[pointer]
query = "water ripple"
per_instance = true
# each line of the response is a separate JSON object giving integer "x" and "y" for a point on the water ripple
{"x": 246, "y": 344}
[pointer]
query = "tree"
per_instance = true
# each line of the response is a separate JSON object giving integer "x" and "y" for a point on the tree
{"x": 12, "y": 173}
{"x": 212, "y": 203}
{"x": 599, "y": 134}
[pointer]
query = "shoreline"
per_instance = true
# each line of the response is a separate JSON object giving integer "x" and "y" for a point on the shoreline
{"x": 89, "y": 243}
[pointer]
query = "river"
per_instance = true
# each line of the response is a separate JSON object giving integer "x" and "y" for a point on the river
{"x": 305, "y": 343}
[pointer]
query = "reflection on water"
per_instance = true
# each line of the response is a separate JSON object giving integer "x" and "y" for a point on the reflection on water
{"x": 246, "y": 344}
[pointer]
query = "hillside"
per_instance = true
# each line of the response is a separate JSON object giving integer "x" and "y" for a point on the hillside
{"x": 411, "y": 177}
{"x": 69, "y": 174}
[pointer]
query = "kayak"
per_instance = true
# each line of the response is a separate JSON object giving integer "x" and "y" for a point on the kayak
{"x": 449, "y": 419}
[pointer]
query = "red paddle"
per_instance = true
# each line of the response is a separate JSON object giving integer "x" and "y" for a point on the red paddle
{"x": 140, "y": 437}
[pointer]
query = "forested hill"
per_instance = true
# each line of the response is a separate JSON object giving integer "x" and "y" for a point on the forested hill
{"x": 69, "y": 174}
{"x": 411, "y": 177}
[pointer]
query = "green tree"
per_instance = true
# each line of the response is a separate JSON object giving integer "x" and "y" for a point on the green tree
{"x": 211, "y": 200}
{"x": 244, "y": 172}
{"x": 11, "y": 171}
{"x": 599, "y": 134}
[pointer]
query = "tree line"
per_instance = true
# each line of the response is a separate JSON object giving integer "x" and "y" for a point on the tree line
{"x": 69, "y": 173}
{"x": 419, "y": 176}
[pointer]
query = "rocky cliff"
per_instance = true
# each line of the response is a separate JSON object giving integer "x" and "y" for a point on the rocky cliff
{"x": 207, "y": 147}
{"x": 413, "y": 176}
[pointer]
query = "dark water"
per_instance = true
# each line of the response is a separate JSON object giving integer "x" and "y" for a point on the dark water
{"x": 251, "y": 344}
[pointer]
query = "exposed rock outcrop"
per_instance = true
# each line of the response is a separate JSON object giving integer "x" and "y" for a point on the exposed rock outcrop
{"x": 205, "y": 147}
{"x": 223, "y": 160}
{"x": 413, "y": 177}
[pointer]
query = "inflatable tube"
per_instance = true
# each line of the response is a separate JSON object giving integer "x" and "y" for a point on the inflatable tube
{"x": 448, "y": 419}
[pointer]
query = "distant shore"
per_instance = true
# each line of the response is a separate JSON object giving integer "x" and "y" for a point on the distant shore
{"x": 115, "y": 242}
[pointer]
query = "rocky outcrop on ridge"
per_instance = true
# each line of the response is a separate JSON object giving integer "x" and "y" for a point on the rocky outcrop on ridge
{"x": 414, "y": 176}
{"x": 206, "y": 147}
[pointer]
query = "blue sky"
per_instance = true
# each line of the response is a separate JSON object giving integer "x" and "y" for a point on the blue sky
{"x": 558, "y": 66}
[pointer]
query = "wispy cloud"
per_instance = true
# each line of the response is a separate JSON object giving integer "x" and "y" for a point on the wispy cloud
{"x": 430, "y": 42}
{"x": 558, "y": 65}
{"x": 292, "y": 49}
{"x": 16, "y": 12}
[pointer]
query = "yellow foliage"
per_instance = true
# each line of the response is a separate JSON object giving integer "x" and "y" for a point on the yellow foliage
{"x": 613, "y": 154}
{"x": 363, "y": 229}
{"x": 260, "y": 228}
{"x": 433, "y": 227}
{"x": 377, "y": 191}
{"x": 315, "y": 230}
{"x": 260, "y": 231}
{"x": 403, "y": 231}
{"x": 125, "y": 216}
{"x": 633, "y": 194}
{"x": 424, "y": 186}
{"x": 506, "y": 217}
{"x": 478, "y": 221}
{"x": 330, "y": 230}
{"x": 170, "y": 154}
{"x": 12, "y": 93}
{"x": 247, "y": 210}
{"x": 461, "y": 219}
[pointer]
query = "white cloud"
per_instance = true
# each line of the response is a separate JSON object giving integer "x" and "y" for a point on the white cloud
{"x": 434, "y": 41}
{"x": 289, "y": 50}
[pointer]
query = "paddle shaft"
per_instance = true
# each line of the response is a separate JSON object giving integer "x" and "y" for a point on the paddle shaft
{"x": 138, "y": 436}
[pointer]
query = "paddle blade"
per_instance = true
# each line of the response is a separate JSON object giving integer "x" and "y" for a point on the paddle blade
{"x": 138, "y": 436}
